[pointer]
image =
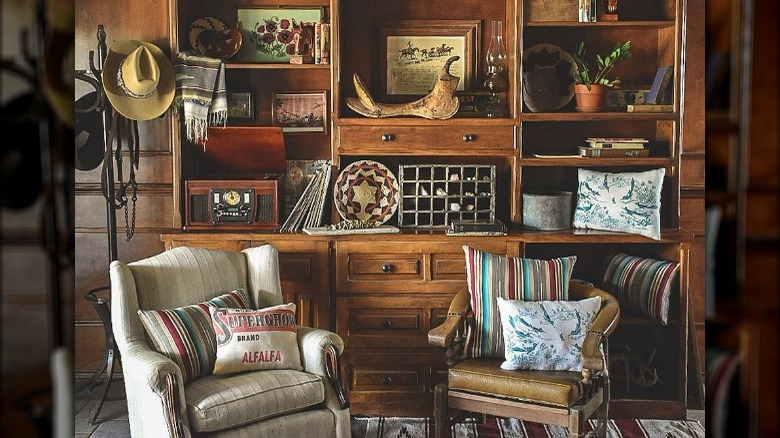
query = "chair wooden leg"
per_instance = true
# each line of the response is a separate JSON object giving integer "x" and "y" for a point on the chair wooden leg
{"x": 440, "y": 417}
{"x": 603, "y": 413}
{"x": 576, "y": 423}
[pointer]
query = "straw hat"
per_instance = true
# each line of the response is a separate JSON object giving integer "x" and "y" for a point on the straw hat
{"x": 138, "y": 79}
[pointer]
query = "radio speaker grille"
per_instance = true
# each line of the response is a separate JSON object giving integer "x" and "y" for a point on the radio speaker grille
{"x": 265, "y": 208}
{"x": 199, "y": 209}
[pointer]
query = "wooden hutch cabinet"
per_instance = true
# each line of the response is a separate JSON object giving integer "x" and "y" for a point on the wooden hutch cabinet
{"x": 382, "y": 293}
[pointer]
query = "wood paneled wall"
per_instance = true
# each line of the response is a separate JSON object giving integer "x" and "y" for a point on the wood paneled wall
{"x": 149, "y": 21}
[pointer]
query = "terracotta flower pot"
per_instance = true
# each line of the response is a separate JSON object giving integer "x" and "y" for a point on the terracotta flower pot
{"x": 590, "y": 101}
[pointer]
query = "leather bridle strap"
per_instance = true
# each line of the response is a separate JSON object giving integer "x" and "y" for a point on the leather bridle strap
{"x": 122, "y": 130}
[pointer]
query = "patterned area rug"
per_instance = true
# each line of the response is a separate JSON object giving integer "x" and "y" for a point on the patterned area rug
{"x": 398, "y": 427}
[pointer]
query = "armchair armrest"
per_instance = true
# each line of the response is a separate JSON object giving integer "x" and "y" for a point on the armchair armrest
{"x": 144, "y": 365}
{"x": 605, "y": 323}
{"x": 154, "y": 382}
{"x": 321, "y": 354}
{"x": 442, "y": 335}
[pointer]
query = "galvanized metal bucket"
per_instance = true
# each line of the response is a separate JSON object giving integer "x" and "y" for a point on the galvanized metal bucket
{"x": 547, "y": 211}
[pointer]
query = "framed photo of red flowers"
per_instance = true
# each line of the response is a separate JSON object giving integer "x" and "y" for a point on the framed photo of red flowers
{"x": 269, "y": 34}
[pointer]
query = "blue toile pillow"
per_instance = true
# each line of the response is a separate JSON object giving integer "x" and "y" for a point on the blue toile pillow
{"x": 628, "y": 202}
{"x": 546, "y": 335}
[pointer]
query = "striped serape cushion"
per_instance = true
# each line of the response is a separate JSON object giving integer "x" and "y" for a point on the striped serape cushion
{"x": 186, "y": 334}
{"x": 513, "y": 278}
{"x": 641, "y": 284}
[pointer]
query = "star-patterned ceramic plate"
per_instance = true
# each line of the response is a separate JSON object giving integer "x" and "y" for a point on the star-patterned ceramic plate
{"x": 366, "y": 190}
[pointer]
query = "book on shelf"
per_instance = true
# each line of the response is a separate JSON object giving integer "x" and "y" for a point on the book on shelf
{"x": 325, "y": 43}
{"x": 557, "y": 156}
{"x": 617, "y": 142}
{"x": 318, "y": 43}
{"x": 650, "y": 108}
{"x": 660, "y": 90}
{"x": 587, "y": 151}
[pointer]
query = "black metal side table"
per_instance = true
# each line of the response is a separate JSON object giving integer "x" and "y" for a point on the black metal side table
{"x": 111, "y": 356}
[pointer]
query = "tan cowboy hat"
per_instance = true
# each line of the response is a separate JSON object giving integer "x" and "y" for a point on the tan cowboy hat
{"x": 138, "y": 79}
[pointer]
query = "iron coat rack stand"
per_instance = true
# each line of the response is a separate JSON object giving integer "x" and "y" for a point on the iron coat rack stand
{"x": 100, "y": 304}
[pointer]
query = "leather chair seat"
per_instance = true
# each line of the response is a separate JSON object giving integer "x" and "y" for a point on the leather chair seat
{"x": 220, "y": 402}
{"x": 485, "y": 376}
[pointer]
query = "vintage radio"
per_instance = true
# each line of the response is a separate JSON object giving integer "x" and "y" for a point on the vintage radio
{"x": 240, "y": 180}
{"x": 241, "y": 204}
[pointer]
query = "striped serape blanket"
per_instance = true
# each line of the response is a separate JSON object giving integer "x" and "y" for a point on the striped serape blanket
{"x": 200, "y": 94}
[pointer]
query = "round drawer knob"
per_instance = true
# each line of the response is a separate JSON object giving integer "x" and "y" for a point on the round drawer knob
{"x": 385, "y": 268}
{"x": 387, "y": 380}
{"x": 388, "y": 137}
{"x": 469, "y": 137}
{"x": 387, "y": 324}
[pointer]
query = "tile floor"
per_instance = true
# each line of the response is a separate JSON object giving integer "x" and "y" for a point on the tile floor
{"x": 112, "y": 420}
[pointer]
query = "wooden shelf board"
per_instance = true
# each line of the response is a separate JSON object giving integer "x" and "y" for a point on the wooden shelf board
{"x": 671, "y": 235}
{"x": 611, "y": 116}
{"x": 577, "y": 161}
{"x": 277, "y": 66}
{"x": 419, "y": 121}
{"x": 605, "y": 24}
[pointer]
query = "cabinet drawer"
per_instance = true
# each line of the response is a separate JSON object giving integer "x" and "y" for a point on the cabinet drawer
{"x": 406, "y": 139}
{"x": 476, "y": 137}
{"x": 409, "y": 266}
{"x": 385, "y": 267}
{"x": 392, "y": 382}
{"x": 365, "y": 322}
{"x": 385, "y": 378}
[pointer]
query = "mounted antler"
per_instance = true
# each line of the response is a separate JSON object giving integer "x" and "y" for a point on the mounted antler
{"x": 440, "y": 103}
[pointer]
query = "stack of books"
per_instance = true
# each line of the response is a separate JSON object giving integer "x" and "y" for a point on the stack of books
{"x": 308, "y": 211}
{"x": 604, "y": 147}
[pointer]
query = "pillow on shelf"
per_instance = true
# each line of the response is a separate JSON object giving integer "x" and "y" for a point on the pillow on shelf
{"x": 629, "y": 202}
{"x": 186, "y": 335}
{"x": 249, "y": 340}
{"x": 642, "y": 284}
{"x": 490, "y": 276}
{"x": 546, "y": 335}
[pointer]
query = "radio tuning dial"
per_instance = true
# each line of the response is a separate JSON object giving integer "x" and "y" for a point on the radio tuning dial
{"x": 232, "y": 197}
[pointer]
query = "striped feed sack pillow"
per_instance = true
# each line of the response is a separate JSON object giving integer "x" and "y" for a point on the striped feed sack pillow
{"x": 513, "y": 278}
{"x": 186, "y": 334}
{"x": 641, "y": 284}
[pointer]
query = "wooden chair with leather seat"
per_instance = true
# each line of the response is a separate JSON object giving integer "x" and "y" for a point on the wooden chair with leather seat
{"x": 563, "y": 398}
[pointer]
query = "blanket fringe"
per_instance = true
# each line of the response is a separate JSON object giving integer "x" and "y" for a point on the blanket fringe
{"x": 218, "y": 118}
{"x": 197, "y": 130}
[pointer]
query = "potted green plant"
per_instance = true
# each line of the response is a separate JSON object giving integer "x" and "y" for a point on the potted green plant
{"x": 590, "y": 91}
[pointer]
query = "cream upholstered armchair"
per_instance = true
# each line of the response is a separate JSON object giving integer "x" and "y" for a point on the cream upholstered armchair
{"x": 563, "y": 398}
{"x": 266, "y": 403}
